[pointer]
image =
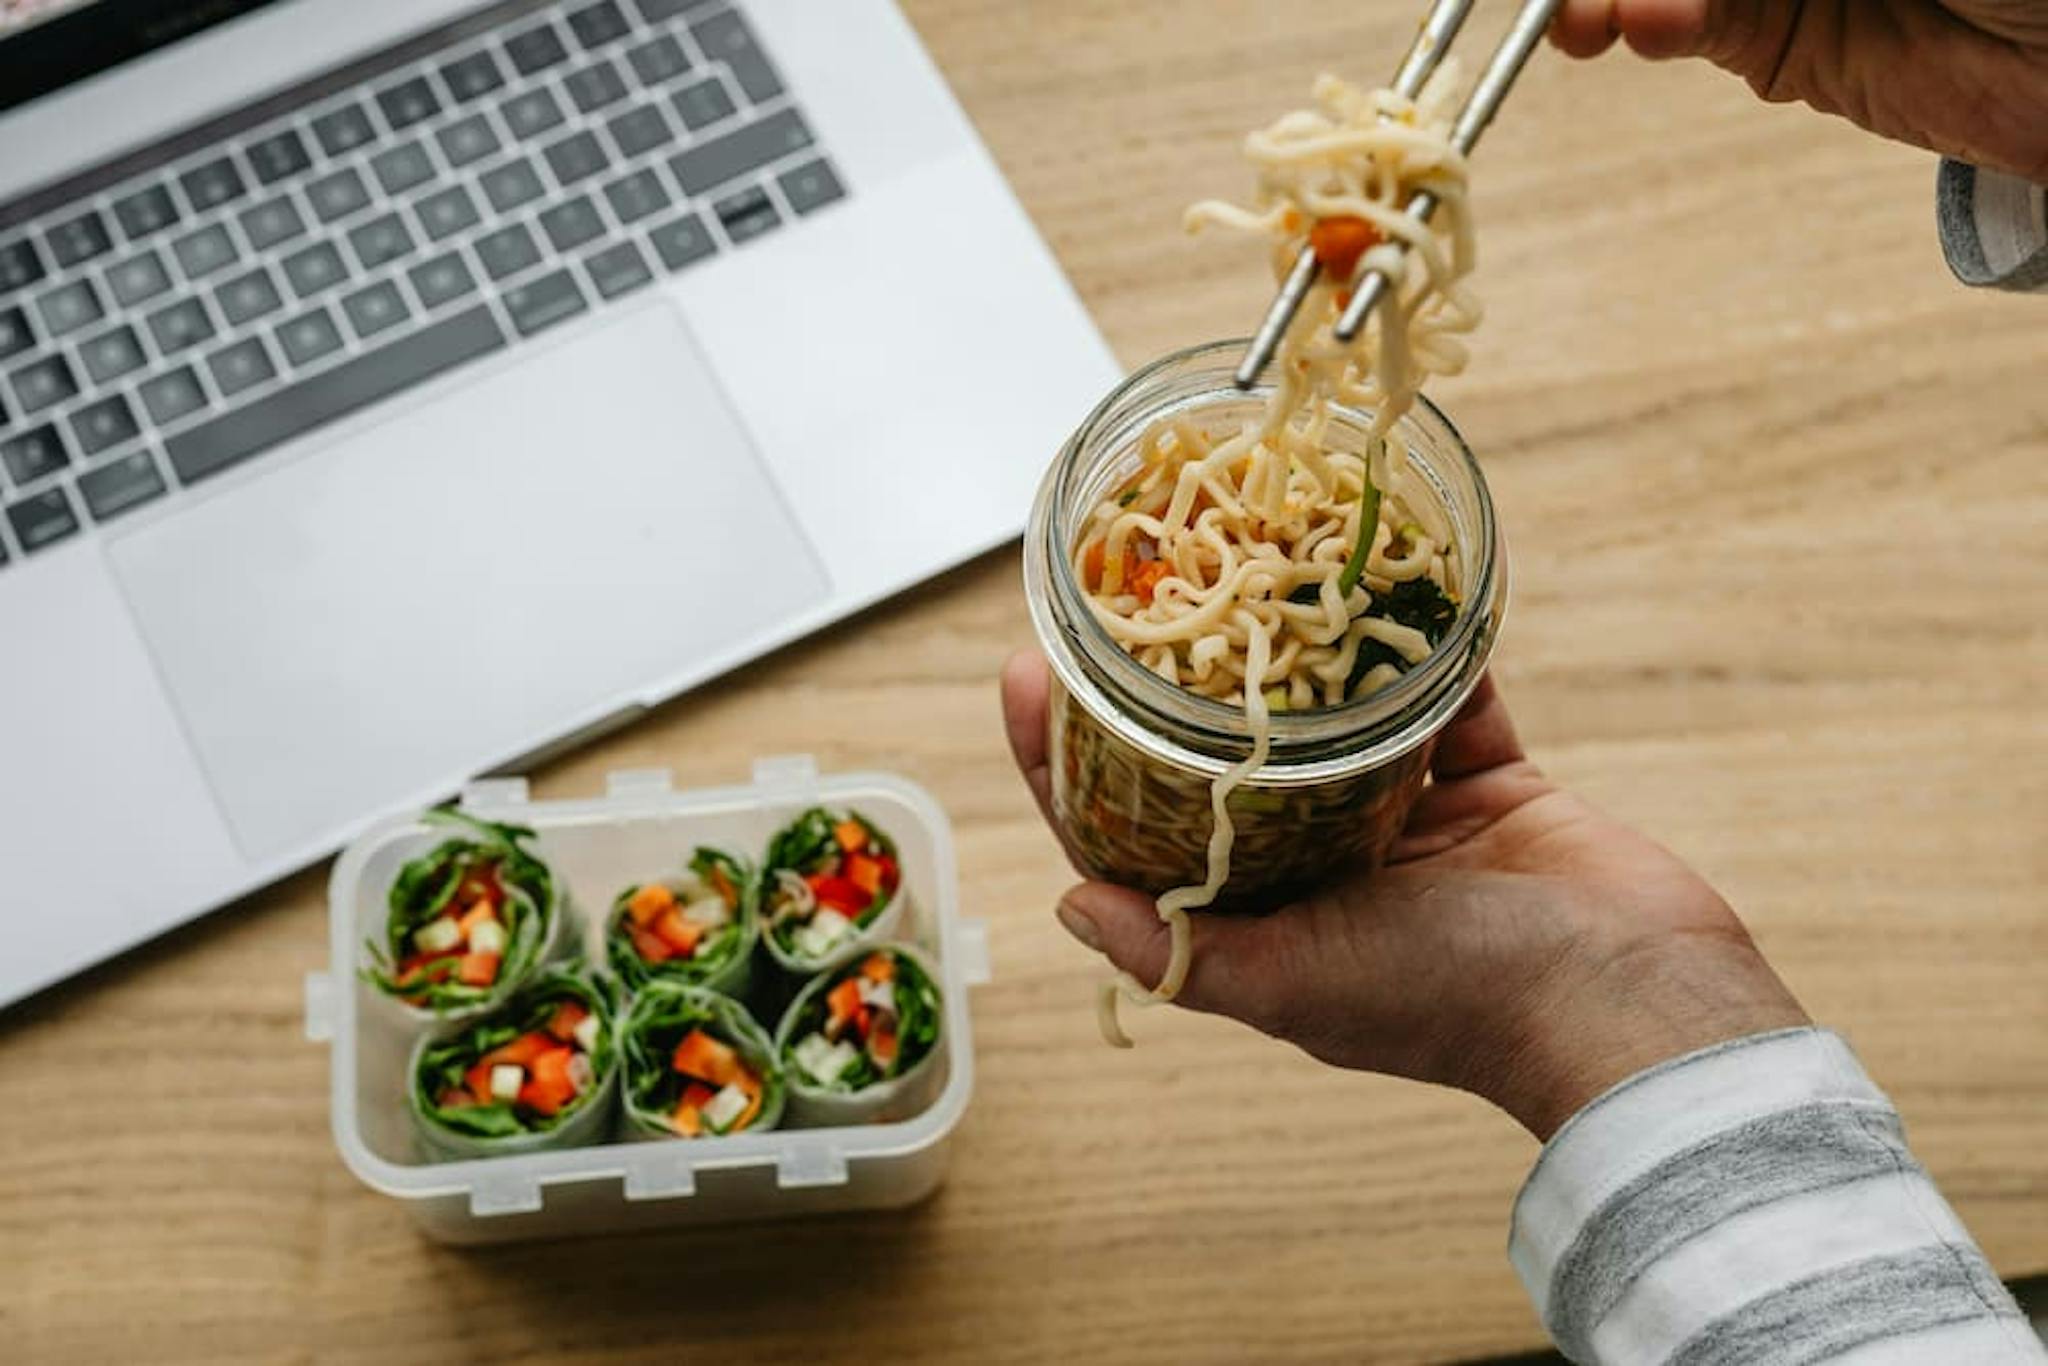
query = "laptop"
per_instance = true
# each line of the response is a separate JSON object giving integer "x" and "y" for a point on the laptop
{"x": 393, "y": 390}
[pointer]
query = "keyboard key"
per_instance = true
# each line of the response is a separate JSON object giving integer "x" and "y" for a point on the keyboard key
{"x": 19, "y": 265}
{"x": 445, "y": 212}
{"x": 312, "y": 269}
{"x": 247, "y": 297}
{"x": 409, "y": 102}
{"x": 598, "y": 24}
{"x": 474, "y": 75}
{"x": 103, "y": 425}
{"x": 403, "y": 167}
{"x": 212, "y": 185}
{"x": 375, "y": 308}
{"x": 641, "y": 130}
{"x": 535, "y": 50}
{"x": 171, "y": 395}
{"x": 342, "y": 130}
{"x": 354, "y": 384}
{"x": 531, "y": 113}
{"x": 544, "y": 301}
{"x": 203, "y": 252}
{"x": 513, "y": 184}
{"x": 810, "y": 185}
{"x": 309, "y": 336}
{"x": 180, "y": 325}
{"x": 121, "y": 486}
{"x": 41, "y": 383}
{"x": 240, "y": 365}
{"x": 271, "y": 222}
{"x": 278, "y": 156}
{"x": 112, "y": 354}
{"x": 382, "y": 239}
{"x": 658, "y": 60}
{"x": 69, "y": 307}
{"x": 337, "y": 195}
{"x": 507, "y": 251}
{"x": 681, "y": 241}
{"x": 15, "y": 337}
{"x": 725, "y": 37}
{"x": 42, "y": 520}
{"x": 703, "y": 103}
{"x": 747, "y": 214}
{"x": 33, "y": 455}
{"x": 712, "y": 163}
{"x": 659, "y": 11}
{"x": 79, "y": 239}
{"x": 617, "y": 269}
{"x": 636, "y": 196}
{"x": 146, "y": 211}
{"x": 138, "y": 278}
{"x": 595, "y": 86}
{"x": 571, "y": 224}
{"x": 467, "y": 140}
{"x": 576, "y": 157}
{"x": 442, "y": 279}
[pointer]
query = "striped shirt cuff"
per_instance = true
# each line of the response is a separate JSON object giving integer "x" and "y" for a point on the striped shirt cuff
{"x": 1753, "y": 1202}
{"x": 1994, "y": 227}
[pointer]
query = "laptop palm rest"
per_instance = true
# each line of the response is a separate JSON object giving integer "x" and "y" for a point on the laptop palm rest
{"x": 362, "y": 626}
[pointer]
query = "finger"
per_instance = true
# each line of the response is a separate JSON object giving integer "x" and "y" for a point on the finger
{"x": 1480, "y": 737}
{"x": 1027, "y": 685}
{"x": 1231, "y": 971}
{"x": 1584, "y": 28}
{"x": 1661, "y": 29}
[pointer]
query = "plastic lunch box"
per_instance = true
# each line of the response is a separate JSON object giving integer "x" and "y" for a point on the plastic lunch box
{"x": 639, "y": 826}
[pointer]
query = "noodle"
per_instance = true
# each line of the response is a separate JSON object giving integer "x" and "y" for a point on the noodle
{"x": 1228, "y": 564}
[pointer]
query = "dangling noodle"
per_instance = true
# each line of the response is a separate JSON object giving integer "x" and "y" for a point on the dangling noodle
{"x": 1226, "y": 564}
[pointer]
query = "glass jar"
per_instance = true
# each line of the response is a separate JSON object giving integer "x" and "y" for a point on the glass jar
{"x": 1133, "y": 756}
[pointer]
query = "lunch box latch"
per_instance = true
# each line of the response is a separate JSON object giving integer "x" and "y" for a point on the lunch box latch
{"x": 319, "y": 1007}
{"x": 667, "y": 1177}
{"x": 500, "y": 1193}
{"x": 805, "y": 1163}
{"x": 485, "y": 793}
{"x": 787, "y": 778}
{"x": 971, "y": 943}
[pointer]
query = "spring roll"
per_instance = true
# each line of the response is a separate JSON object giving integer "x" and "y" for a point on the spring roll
{"x": 540, "y": 1072}
{"x": 468, "y": 922}
{"x": 697, "y": 928}
{"x": 696, "y": 1066}
{"x": 861, "y": 1043}
{"x": 831, "y": 884}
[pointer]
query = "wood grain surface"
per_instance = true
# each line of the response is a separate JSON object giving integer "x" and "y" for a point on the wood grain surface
{"x": 1777, "y": 492}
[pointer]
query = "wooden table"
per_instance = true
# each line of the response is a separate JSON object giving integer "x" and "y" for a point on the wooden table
{"x": 1778, "y": 496}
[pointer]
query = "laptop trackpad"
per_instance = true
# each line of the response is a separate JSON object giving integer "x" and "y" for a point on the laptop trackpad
{"x": 367, "y": 625}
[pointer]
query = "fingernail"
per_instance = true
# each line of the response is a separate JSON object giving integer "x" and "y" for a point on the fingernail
{"x": 1080, "y": 925}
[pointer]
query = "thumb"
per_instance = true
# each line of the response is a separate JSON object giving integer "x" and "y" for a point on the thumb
{"x": 1236, "y": 970}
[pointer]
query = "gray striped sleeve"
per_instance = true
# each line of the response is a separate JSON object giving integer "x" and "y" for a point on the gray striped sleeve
{"x": 1994, "y": 227}
{"x": 1753, "y": 1202}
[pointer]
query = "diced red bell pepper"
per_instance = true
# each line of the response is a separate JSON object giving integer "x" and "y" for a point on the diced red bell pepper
{"x": 478, "y": 969}
{"x": 701, "y": 1056}
{"x": 891, "y": 873}
{"x": 562, "y": 1024}
{"x": 838, "y": 893}
{"x": 548, "y": 1087}
{"x": 522, "y": 1050}
{"x": 697, "y": 1095}
{"x": 478, "y": 1080}
{"x": 679, "y": 934}
{"x": 649, "y": 946}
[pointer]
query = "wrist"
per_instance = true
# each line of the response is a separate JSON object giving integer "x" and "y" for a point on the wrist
{"x": 1578, "y": 1035}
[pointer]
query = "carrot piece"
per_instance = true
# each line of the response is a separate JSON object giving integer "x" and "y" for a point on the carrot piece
{"x": 879, "y": 967}
{"x": 478, "y": 1080}
{"x": 649, "y": 946}
{"x": 865, "y": 872}
{"x": 851, "y": 834}
{"x": 843, "y": 1000}
{"x": 883, "y": 1048}
{"x": 701, "y": 1056}
{"x": 475, "y": 916}
{"x": 478, "y": 969}
{"x": 1091, "y": 565}
{"x": 1145, "y": 582}
{"x": 1339, "y": 241}
{"x": 722, "y": 884}
{"x": 548, "y": 1087}
{"x": 649, "y": 902}
{"x": 679, "y": 934}
{"x": 686, "y": 1121}
{"x": 562, "y": 1024}
{"x": 751, "y": 1084}
{"x": 697, "y": 1095}
{"x": 522, "y": 1050}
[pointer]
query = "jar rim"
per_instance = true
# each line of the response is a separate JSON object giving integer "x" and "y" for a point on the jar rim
{"x": 1413, "y": 706}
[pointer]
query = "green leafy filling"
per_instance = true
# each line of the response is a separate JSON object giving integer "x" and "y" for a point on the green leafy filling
{"x": 442, "y": 1068}
{"x": 808, "y": 845}
{"x": 713, "y": 952}
{"x": 918, "y": 1015}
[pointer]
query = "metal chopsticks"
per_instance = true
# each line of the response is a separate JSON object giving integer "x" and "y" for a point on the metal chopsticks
{"x": 1432, "y": 40}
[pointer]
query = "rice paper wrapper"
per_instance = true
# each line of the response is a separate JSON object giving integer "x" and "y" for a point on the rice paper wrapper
{"x": 812, "y": 1106}
{"x": 734, "y": 977}
{"x": 734, "y": 1023}
{"x": 561, "y": 940}
{"x": 591, "y": 1124}
{"x": 875, "y": 934}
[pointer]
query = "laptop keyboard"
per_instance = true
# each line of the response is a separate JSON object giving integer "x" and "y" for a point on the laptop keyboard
{"x": 207, "y": 310}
